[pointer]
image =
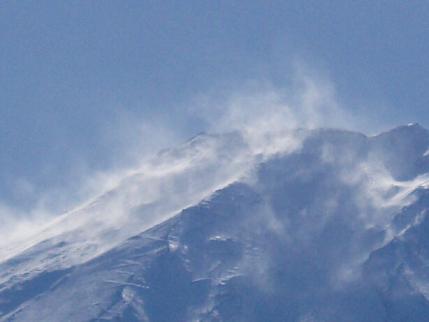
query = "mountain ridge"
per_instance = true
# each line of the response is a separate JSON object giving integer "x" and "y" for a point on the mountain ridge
{"x": 288, "y": 232}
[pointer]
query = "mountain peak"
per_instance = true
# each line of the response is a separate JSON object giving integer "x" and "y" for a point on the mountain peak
{"x": 209, "y": 232}
{"x": 410, "y": 129}
{"x": 414, "y": 124}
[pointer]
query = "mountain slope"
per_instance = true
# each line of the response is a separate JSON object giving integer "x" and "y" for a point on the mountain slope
{"x": 334, "y": 230}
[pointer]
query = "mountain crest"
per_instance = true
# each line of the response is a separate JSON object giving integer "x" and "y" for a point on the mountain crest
{"x": 334, "y": 230}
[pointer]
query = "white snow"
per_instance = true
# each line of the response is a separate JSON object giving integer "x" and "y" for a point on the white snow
{"x": 213, "y": 231}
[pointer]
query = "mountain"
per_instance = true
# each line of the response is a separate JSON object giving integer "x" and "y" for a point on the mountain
{"x": 331, "y": 225}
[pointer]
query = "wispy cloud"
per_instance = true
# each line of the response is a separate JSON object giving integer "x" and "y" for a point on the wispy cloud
{"x": 256, "y": 121}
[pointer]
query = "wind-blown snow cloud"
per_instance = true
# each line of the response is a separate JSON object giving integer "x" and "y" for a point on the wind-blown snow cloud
{"x": 263, "y": 112}
{"x": 254, "y": 123}
{"x": 294, "y": 202}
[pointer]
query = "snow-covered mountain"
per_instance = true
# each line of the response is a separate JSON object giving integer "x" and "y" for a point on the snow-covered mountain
{"x": 329, "y": 226}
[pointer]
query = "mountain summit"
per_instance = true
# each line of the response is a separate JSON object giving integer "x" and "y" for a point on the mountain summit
{"x": 332, "y": 226}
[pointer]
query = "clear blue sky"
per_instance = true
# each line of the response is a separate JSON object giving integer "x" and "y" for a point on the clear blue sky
{"x": 67, "y": 68}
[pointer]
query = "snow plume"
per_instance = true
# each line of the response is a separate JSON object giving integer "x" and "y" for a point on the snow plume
{"x": 330, "y": 204}
{"x": 297, "y": 206}
{"x": 250, "y": 124}
{"x": 267, "y": 115}
{"x": 145, "y": 196}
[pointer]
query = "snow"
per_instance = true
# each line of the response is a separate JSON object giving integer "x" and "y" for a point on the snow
{"x": 335, "y": 230}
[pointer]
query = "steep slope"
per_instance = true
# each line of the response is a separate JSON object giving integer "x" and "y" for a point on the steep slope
{"x": 143, "y": 198}
{"x": 335, "y": 230}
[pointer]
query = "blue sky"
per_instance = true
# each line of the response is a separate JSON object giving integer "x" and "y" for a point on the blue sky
{"x": 77, "y": 76}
